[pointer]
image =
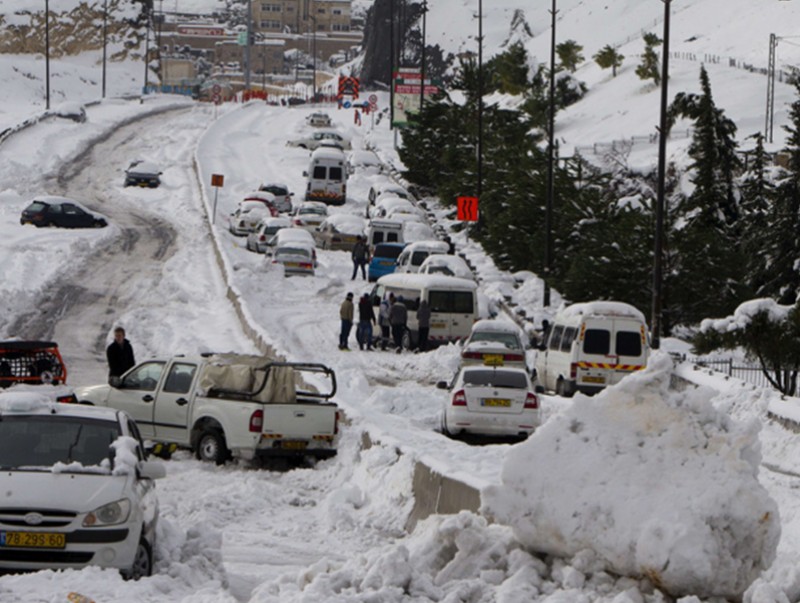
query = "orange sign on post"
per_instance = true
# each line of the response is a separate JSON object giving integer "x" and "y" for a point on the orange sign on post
{"x": 468, "y": 209}
{"x": 217, "y": 179}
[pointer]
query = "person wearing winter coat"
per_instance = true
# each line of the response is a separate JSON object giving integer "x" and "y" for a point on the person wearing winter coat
{"x": 383, "y": 319}
{"x": 424, "y": 324}
{"x": 398, "y": 317}
{"x": 366, "y": 318}
{"x": 360, "y": 255}
{"x": 346, "y": 311}
{"x": 119, "y": 354}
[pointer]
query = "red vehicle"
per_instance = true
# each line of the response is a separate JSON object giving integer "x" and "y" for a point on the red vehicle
{"x": 32, "y": 362}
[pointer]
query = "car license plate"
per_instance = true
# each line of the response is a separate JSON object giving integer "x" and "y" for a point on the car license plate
{"x": 294, "y": 445}
{"x": 593, "y": 379}
{"x": 386, "y": 263}
{"x": 438, "y": 325}
{"x": 493, "y": 359}
{"x": 495, "y": 402}
{"x": 292, "y": 265}
{"x": 37, "y": 540}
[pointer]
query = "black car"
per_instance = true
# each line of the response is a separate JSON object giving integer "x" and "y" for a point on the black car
{"x": 62, "y": 212}
{"x": 144, "y": 174}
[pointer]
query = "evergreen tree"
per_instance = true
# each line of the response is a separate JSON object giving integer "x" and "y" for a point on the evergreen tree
{"x": 782, "y": 246}
{"x": 608, "y": 56}
{"x": 648, "y": 69}
{"x": 509, "y": 71}
{"x": 569, "y": 55}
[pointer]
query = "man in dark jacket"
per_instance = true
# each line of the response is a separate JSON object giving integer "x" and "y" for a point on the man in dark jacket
{"x": 366, "y": 318}
{"x": 398, "y": 317}
{"x": 360, "y": 256}
{"x": 424, "y": 324}
{"x": 119, "y": 354}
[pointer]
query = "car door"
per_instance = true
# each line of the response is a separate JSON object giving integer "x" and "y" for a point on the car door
{"x": 137, "y": 392}
{"x": 173, "y": 403}
{"x": 72, "y": 216}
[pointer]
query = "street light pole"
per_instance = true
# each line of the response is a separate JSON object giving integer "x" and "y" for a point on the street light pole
{"x": 655, "y": 319}
{"x": 314, "y": 59}
{"x": 551, "y": 188}
{"x": 105, "y": 41}
{"x": 391, "y": 64}
{"x": 247, "y": 45}
{"x": 146, "y": 49}
{"x": 422, "y": 58}
{"x": 479, "y": 189}
{"x": 47, "y": 52}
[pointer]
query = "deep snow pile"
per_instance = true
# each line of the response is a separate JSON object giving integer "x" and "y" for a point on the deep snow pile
{"x": 655, "y": 481}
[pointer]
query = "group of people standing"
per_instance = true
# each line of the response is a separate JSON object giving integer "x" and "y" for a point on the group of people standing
{"x": 392, "y": 319}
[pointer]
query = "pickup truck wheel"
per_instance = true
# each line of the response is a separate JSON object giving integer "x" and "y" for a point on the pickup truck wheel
{"x": 211, "y": 447}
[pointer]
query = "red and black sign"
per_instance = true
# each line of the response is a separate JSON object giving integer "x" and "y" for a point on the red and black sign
{"x": 468, "y": 209}
{"x": 348, "y": 86}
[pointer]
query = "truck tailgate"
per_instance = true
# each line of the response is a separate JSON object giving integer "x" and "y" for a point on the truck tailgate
{"x": 301, "y": 421}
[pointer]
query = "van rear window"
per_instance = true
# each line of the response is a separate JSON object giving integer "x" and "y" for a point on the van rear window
{"x": 320, "y": 171}
{"x": 451, "y": 302}
{"x": 629, "y": 343}
{"x": 335, "y": 173}
{"x": 387, "y": 251}
{"x": 597, "y": 341}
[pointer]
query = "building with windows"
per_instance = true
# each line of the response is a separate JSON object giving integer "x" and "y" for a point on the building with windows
{"x": 301, "y": 16}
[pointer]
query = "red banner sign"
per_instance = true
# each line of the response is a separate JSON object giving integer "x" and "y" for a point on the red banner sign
{"x": 468, "y": 209}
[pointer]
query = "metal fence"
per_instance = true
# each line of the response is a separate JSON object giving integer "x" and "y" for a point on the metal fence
{"x": 750, "y": 372}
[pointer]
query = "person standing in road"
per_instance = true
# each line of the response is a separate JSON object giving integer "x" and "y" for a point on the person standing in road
{"x": 398, "y": 317}
{"x": 383, "y": 319}
{"x": 346, "y": 314}
{"x": 424, "y": 322}
{"x": 366, "y": 318}
{"x": 119, "y": 354}
{"x": 360, "y": 256}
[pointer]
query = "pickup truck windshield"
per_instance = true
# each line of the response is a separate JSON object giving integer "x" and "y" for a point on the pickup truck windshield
{"x": 39, "y": 442}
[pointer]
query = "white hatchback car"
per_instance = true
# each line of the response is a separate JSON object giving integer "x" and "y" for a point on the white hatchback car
{"x": 259, "y": 240}
{"x": 449, "y": 265}
{"x": 494, "y": 342}
{"x": 77, "y": 489}
{"x": 309, "y": 215}
{"x": 490, "y": 401}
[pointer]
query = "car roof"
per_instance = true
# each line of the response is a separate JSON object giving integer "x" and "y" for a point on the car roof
{"x": 342, "y": 218}
{"x": 328, "y": 153}
{"x": 427, "y": 246}
{"x": 492, "y": 325}
{"x": 312, "y": 204}
{"x": 31, "y": 403}
{"x": 294, "y": 234}
{"x": 413, "y": 280}
{"x": 54, "y": 199}
{"x": 144, "y": 166}
{"x": 500, "y": 369}
{"x": 260, "y": 196}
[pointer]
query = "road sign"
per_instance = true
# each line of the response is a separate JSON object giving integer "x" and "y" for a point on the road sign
{"x": 217, "y": 99}
{"x": 347, "y": 104}
{"x": 241, "y": 39}
{"x": 217, "y": 179}
{"x": 373, "y": 99}
{"x": 468, "y": 209}
{"x": 216, "y": 89}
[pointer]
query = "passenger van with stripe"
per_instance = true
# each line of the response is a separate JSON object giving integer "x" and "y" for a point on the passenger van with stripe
{"x": 453, "y": 303}
{"x": 592, "y": 345}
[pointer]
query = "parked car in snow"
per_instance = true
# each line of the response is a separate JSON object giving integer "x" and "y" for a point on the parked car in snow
{"x": 248, "y": 215}
{"x": 388, "y": 203}
{"x": 494, "y": 342}
{"x": 282, "y": 195}
{"x": 490, "y": 401}
{"x": 340, "y": 231}
{"x": 416, "y": 231}
{"x": 295, "y": 250}
{"x": 31, "y": 362}
{"x": 319, "y": 120}
{"x": 366, "y": 162}
{"x": 383, "y": 260}
{"x": 77, "y": 488}
{"x": 260, "y": 240}
{"x": 309, "y": 215}
{"x": 417, "y": 252}
{"x": 144, "y": 174}
{"x": 450, "y": 265}
{"x": 313, "y": 140}
{"x": 61, "y": 212}
{"x": 226, "y": 405}
{"x": 387, "y": 186}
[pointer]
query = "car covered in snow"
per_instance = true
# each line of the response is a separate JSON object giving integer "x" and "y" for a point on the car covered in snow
{"x": 143, "y": 173}
{"x": 417, "y": 252}
{"x": 295, "y": 250}
{"x": 261, "y": 239}
{"x": 282, "y": 195}
{"x": 493, "y": 342}
{"x": 246, "y": 218}
{"x": 450, "y": 265}
{"x": 309, "y": 215}
{"x": 319, "y": 119}
{"x": 61, "y": 212}
{"x": 490, "y": 401}
{"x": 366, "y": 162}
{"x": 387, "y": 186}
{"x": 315, "y": 139}
{"x": 340, "y": 231}
{"x": 77, "y": 488}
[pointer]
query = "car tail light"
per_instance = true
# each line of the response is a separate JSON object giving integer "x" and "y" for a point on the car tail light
{"x": 474, "y": 355}
{"x": 531, "y": 401}
{"x": 306, "y": 265}
{"x": 262, "y": 238}
{"x": 257, "y": 421}
{"x": 573, "y": 370}
{"x": 513, "y": 357}
{"x": 459, "y": 398}
{"x": 336, "y": 424}
{"x": 298, "y": 222}
{"x": 68, "y": 399}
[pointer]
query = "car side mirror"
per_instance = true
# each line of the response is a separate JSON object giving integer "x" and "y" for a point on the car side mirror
{"x": 292, "y": 194}
{"x": 441, "y": 385}
{"x": 151, "y": 470}
{"x": 115, "y": 382}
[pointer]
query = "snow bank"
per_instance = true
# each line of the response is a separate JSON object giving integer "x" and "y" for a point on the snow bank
{"x": 656, "y": 482}
{"x": 744, "y": 314}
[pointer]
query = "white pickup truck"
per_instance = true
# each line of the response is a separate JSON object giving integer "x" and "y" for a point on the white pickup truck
{"x": 226, "y": 405}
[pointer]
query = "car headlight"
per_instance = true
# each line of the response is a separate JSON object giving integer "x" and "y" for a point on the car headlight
{"x": 108, "y": 515}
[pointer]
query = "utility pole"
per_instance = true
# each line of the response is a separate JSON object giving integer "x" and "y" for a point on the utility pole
{"x": 314, "y": 58}
{"x": 768, "y": 126}
{"x": 551, "y": 188}
{"x": 479, "y": 190}
{"x": 47, "y": 52}
{"x": 655, "y": 319}
{"x": 146, "y": 48}
{"x": 391, "y": 64}
{"x": 105, "y": 41}
{"x": 422, "y": 58}
{"x": 247, "y": 46}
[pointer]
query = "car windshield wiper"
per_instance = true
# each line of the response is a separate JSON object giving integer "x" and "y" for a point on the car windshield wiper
{"x": 75, "y": 443}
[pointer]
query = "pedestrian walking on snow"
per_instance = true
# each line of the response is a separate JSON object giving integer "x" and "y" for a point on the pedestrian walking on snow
{"x": 398, "y": 318}
{"x": 424, "y": 324}
{"x": 366, "y": 318}
{"x": 383, "y": 319}
{"x": 119, "y": 354}
{"x": 346, "y": 315}
{"x": 360, "y": 255}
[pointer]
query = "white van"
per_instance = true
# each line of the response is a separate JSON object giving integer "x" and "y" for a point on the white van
{"x": 453, "y": 303}
{"x": 384, "y": 231}
{"x": 592, "y": 345}
{"x": 415, "y": 253}
{"x": 327, "y": 176}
